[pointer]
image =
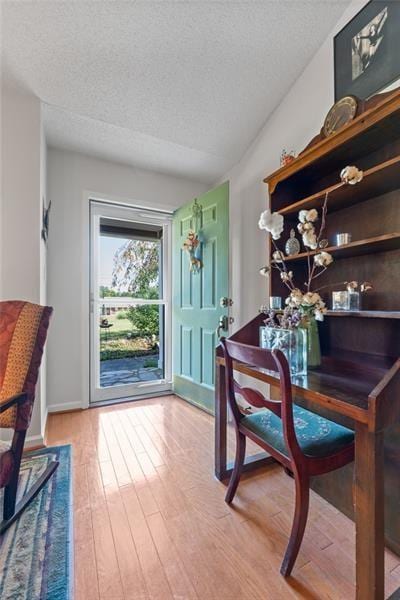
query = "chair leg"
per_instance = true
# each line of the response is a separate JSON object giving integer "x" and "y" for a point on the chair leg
{"x": 237, "y": 470}
{"x": 29, "y": 497}
{"x": 288, "y": 472}
{"x": 10, "y": 490}
{"x": 10, "y": 496}
{"x": 299, "y": 524}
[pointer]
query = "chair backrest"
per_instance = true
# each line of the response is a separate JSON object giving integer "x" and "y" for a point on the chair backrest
{"x": 272, "y": 360}
{"x": 23, "y": 331}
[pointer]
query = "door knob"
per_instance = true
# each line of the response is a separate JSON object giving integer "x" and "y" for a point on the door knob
{"x": 222, "y": 325}
{"x": 225, "y": 302}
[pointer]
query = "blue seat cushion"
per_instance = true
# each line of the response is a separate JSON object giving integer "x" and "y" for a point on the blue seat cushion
{"x": 316, "y": 436}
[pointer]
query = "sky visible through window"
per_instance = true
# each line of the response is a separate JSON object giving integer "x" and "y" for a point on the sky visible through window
{"x": 108, "y": 248}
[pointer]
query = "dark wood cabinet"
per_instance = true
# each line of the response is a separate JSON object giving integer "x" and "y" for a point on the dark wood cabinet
{"x": 362, "y": 344}
{"x": 358, "y": 382}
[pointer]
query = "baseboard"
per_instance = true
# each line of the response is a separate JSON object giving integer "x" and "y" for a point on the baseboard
{"x": 64, "y": 407}
{"x": 34, "y": 441}
{"x": 44, "y": 426}
{"x": 101, "y": 403}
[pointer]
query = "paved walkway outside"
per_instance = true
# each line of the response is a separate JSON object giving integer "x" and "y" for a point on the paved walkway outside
{"x": 122, "y": 371}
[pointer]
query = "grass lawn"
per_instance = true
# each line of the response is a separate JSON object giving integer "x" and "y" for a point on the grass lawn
{"x": 115, "y": 343}
{"x": 120, "y": 325}
{"x": 120, "y": 328}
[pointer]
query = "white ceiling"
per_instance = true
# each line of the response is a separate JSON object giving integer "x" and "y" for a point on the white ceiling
{"x": 182, "y": 87}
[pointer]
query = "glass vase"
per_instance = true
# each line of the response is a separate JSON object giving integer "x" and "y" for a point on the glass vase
{"x": 354, "y": 300}
{"x": 292, "y": 342}
{"x": 340, "y": 300}
{"x": 313, "y": 346}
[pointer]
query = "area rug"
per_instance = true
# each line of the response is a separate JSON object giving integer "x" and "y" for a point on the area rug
{"x": 36, "y": 552}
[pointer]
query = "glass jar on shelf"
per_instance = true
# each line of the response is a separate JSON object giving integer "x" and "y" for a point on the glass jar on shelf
{"x": 293, "y": 344}
{"x": 340, "y": 300}
{"x": 354, "y": 300}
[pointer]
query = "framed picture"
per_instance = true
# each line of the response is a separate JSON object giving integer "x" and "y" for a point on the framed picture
{"x": 367, "y": 50}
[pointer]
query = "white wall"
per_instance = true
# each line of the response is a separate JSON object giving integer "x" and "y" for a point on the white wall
{"x": 20, "y": 237}
{"x": 21, "y": 253}
{"x": 42, "y": 384}
{"x": 294, "y": 122}
{"x": 292, "y": 125}
{"x": 72, "y": 178}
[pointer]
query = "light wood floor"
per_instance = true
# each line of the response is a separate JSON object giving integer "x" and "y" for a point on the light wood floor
{"x": 150, "y": 520}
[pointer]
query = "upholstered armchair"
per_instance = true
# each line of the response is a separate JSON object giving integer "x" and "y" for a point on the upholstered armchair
{"x": 23, "y": 331}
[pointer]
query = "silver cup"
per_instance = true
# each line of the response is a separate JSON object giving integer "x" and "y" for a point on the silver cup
{"x": 275, "y": 302}
{"x": 343, "y": 238}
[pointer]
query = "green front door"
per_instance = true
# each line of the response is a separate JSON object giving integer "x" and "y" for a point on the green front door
{"x": 196, "y": 295}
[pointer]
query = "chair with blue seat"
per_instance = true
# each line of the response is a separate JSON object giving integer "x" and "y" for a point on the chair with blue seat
{"x": 306, "y": 444}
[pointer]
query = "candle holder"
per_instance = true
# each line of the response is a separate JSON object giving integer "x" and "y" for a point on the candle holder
{"x": 275, "y": 302}
{"x": 354, "y": 300}
{"x": 340, "y": 300}
{"x": 343, "y": 238}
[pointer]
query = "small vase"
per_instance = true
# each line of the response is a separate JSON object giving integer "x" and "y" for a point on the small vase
{"x": 292, "y": 342}
{"x": 313, "y": 346}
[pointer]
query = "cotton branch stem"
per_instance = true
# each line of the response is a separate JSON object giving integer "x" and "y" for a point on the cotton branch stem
{"x": 309, "y": 271}
{"x": 289, "y": 284}
{"x": 328, "y": 285}
{"x": 320, "y": 273}
{"x": 311, "y": 275}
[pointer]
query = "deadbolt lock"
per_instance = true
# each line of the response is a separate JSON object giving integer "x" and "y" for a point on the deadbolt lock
{"x": 225, "y": 302}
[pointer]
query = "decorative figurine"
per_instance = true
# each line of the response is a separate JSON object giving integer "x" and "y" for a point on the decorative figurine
{"x": 287, "y": 157}
{"x": 292, "y": 246}
{"x": 192, "y": 244}
{"x": 192, "y": 247}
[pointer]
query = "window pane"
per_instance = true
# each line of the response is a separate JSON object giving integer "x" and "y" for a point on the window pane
{"x": 131, "y": 344}
{"x": 130, "y": 260}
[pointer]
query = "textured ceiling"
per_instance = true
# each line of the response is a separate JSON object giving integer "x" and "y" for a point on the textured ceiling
{"x": 181, "y": 87}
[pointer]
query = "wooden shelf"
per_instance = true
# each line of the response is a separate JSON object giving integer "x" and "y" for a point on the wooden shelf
{"x": 377, "y": 181}
{"x": 342, "y": 360}
{"x": 368, "y": 314}
{"x": 368, "y": 132}
{"x": 379, "y": 243}
{"x": 359, "y": 349}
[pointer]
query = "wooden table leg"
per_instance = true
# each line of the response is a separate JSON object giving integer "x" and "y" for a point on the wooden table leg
{"x": 369, "y": 514}
{"x": 220, "y": 423}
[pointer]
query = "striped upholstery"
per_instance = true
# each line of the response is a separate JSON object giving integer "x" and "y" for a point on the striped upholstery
{"x": 23, "y": 330}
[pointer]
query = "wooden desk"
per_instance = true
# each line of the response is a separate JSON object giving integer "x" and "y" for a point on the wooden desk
{"x": 351, "y": 385}
{"x": 372, "y": 402}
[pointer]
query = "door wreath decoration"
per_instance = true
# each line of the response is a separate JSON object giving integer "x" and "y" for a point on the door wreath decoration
{"x": 193, "y": 241}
